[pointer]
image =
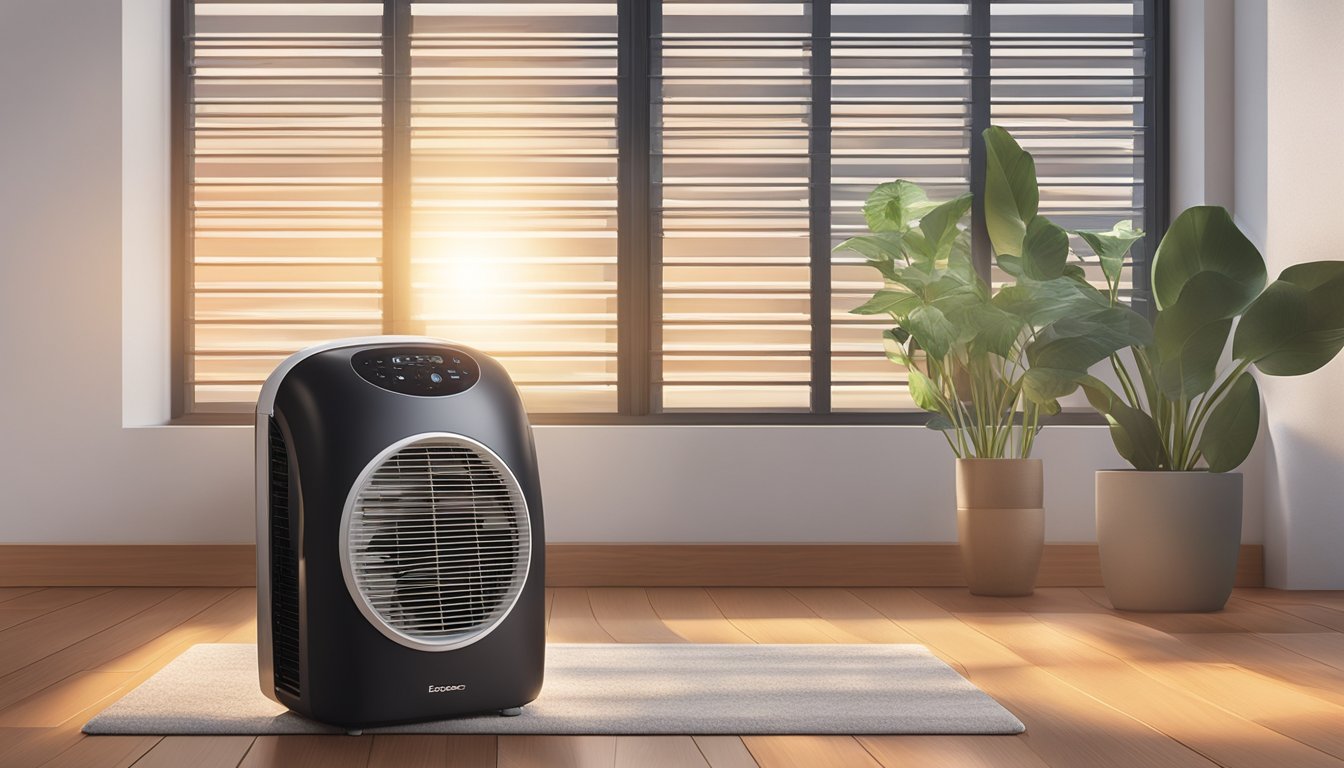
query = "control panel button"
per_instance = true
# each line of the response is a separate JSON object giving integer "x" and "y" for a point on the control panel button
{"x": 425, "y": 372}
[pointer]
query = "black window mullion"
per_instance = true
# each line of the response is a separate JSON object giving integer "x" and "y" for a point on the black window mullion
{"x": 819, "y": 207}
{"x": 1155, "y": 138}
{"x": 635, "y": 304}
{"x": 182, "y": 398}
{"x": 396, "y": 272}
{"x": 981, "y": 256}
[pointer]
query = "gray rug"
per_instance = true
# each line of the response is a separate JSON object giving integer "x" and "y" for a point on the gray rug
{"x": 617, "y": 689}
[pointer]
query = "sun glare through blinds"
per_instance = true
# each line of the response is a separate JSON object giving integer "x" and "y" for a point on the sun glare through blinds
{"x": 285, "y": 130}
{"x": 489, "y": 149}
{"x": 513, "y": 141}
{"x": 1068, "y": 81}
{"x": 731, "y": 115}
{"x": 900, "y": 109}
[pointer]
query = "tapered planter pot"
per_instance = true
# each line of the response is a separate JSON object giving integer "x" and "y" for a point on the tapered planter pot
{"x": 1169, "y": 540}
{"x": 1000, "y": 524}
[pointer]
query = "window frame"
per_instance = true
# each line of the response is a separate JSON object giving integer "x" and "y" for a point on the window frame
{"x": 638, "y": 307}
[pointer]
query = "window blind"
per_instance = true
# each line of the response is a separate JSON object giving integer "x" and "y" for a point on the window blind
{"x": 513, "y": 160}
{"x": 731, "y": 110}
{"x": 901, "y": 109}
{"x": 285, "y": 195}
{"x": 1068, "y": 79}
{"x": 457, "y": 168}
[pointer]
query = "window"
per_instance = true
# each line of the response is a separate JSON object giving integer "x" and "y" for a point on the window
{"x": 631, "y": 204}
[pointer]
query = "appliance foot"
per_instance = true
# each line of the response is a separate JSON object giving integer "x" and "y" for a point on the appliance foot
{"x": 511, "y": 712}
{"x": 355, "y": 732}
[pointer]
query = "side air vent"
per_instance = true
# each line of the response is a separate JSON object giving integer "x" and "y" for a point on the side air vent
{"x": 436, "y": 541}
{"x": 284, "y": 569}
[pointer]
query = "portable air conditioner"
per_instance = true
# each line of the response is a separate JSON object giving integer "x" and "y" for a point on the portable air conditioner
{"x": 399, "y": 535}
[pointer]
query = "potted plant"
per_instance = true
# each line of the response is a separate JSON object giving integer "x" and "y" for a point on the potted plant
{"x": 965, "y": 350}
{"x": 1182, "y": 411}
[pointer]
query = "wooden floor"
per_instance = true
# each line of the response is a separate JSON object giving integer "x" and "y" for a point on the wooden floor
{"x": 1261, "y": 684}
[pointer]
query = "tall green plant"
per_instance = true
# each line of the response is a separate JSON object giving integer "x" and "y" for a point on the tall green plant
{"x": 968, "y": 350}
{"x": 1183, "y": 402}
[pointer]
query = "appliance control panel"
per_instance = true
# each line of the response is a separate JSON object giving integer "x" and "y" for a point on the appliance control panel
{"x": 422, "y": 371}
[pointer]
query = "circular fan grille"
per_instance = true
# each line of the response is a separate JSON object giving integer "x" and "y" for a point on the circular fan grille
{"x": 436, "y": 541}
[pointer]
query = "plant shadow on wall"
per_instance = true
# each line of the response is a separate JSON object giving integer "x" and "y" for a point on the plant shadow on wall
{"x": 989, "y": 365}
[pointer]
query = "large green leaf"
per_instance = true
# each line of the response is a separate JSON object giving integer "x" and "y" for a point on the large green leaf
{"x": 1232, "y": 425}
{"x": 1011, "y": 196}
{"x": 1205, "y": 239}
{"x": 879, "y": 246}
{"x": 1191, "y": 333}
{"x": 940, "y": 227}
{"x": 1045, "y": 250}
{"x": 1193, "y": 369}
{"x": 1047, "y": 385}
{"x": 895, "y": 206}
{"x": 923, "y": 392}
{"x": 1111, "y": 247}
{"x": 995, "y": 330}
{"x": 1078, "y": 342}
{"x": 896, "y": 303}
{"x": 932, "y": 330}
{"x": 1043, "y": 302}
{"x": 1297, "y": 324}
{"x": 893, "y": 343}
{"x": 1133, "y": 432}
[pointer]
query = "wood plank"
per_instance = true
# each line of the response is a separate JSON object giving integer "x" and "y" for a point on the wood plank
{"x": 557, "y": 751}
{"x": 122, "y": 565}
{"x": 626, "y": 615}
{"x": 1273, "y": 660}
{"x": 1065, "y": 726}
{"x": 104, "y": 752}
{"x": 572, "y": 619}
{"x": 809, "y": 752}
{"x": 37, "y": 602}
{"x": 959, "y": 751}
{"x": 56, "y": 704}
{"x": 776, "y": 616}
{"x": 235, "y": 609}
{"x": 1182, "y": 715}
{"x": 1324, "y": 598}
{"x": 102, "y": 647}
{"x": 658, "y": 752}
{"x": 437, "y": 751}
{"x": 309, "y": 752}
{"x": 1324, "y": 618}
{"x": 725, "y": 752}
{"x": 1263, "y": 700}
{"x": 851, "y": 617}
{"x": 692, "y": 614}
{"x": 586, "y": 565}
{"x": 51, "y": 599}
{"x": 14, "y": 617}
{"x": 847, "y": 612}
{"x": 9, "y": 593}
{"x": 197, "y": 752}
{"x": 1325, "y": 647}
{"x": 49, "y": 633}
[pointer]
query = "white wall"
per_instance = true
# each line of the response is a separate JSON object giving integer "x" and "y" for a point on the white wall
{"x": 84, "y": 289}
{"x": 1289, "y": 164}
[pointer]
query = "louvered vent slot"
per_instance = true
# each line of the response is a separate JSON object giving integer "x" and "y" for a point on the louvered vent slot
{"x": 438, "y": 541}
{"x": 284, "y": 570}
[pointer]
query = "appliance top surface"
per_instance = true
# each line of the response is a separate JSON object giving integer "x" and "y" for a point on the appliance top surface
{"x": 410, "y": 365}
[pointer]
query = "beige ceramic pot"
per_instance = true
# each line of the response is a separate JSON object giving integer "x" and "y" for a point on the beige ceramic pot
{"x": 1001, "y": 524}
{"x": 1169, "y": 540}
